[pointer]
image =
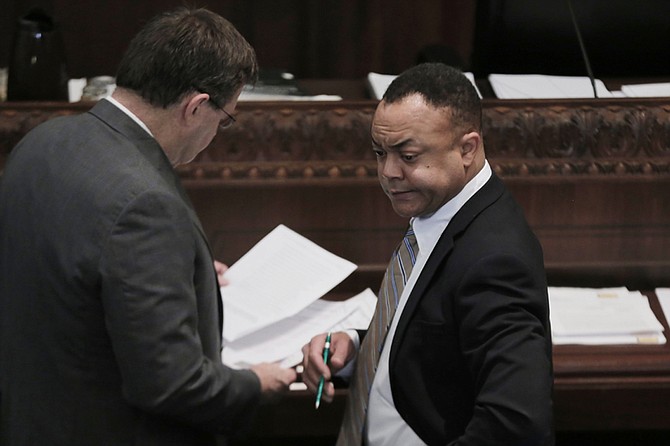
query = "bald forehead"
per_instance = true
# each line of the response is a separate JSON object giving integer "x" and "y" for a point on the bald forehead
{"x": 412, "y": 108}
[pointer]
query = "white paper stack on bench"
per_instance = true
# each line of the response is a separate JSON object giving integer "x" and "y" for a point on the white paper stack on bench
{"x": 663, "y": 295}
{"x": 540, "y": 86}
{"x": 377, "y": 83}
{"x": 600, "y": 316}
{"x": 653, "y": 90}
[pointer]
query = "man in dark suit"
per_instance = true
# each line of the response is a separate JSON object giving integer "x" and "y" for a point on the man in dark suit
{"x": 466, "y": 357}
{"x": 110, "y": 313}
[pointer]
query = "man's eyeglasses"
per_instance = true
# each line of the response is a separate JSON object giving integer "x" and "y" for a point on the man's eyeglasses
{"x": 228, "y": 122}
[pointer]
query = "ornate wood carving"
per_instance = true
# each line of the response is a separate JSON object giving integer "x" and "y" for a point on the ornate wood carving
{"x": 330, "y": 140}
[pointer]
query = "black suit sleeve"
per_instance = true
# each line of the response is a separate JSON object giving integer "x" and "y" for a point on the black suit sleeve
{"x": 501, "y": 306}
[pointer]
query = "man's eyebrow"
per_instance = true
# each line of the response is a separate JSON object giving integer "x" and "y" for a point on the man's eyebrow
{"x": 395, "y": 147}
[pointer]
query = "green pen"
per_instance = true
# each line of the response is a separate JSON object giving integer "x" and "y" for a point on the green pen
{"x": 326, "y": 352}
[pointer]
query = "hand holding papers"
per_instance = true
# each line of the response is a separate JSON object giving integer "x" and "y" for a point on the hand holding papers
{"x": 602, "y": 316}
{"x": 271, "y": 303}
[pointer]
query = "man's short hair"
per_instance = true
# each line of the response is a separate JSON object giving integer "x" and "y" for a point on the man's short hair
{"x": 441, "y": 86}
{"x": 187, "y": 50}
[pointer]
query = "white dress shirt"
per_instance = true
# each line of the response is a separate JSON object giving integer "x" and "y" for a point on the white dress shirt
{"x": 125, "y": 110}
{"x": 384, "y": 425}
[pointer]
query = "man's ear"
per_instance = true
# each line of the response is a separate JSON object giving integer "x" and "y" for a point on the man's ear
{"x": 193, "y": 103}
{"x": 470, "y": 143}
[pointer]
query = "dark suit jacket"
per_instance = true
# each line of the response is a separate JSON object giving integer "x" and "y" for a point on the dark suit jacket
{"x": 470, "y": 362}
{"x": 110, "y": 328}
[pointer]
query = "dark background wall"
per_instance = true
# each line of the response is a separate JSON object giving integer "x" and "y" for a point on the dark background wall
{"x": 349, "y": 38}
{"x": 623, "y": 38}
{"x": 311, "y": 38}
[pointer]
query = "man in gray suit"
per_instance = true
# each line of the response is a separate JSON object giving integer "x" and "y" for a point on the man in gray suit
{"x": 110, "y": 313}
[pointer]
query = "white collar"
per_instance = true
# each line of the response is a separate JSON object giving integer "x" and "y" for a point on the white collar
{"x": 429, "y": 229}
{"x": 132, "y": 115}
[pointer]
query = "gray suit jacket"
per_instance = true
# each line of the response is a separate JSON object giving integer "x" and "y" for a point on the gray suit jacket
{"x": 110, "y": 317}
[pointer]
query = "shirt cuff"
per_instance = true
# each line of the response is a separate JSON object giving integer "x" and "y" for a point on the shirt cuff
{"x": 348, "y": 370}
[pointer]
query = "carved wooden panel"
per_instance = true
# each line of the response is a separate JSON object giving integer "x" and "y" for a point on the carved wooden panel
{"x": 591, "y": 175}
{"x": 278, "y": 141}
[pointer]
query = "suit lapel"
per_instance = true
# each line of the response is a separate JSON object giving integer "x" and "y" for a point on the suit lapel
{"x": 487, "y": 195}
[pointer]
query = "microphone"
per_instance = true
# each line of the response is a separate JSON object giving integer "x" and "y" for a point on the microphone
{"x": 585, "y": 56}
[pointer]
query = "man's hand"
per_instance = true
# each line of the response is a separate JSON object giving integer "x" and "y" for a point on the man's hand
{"x": 341, "y": 352}
{"x": 274, "y": 379}
{"x": 220, "y": 270}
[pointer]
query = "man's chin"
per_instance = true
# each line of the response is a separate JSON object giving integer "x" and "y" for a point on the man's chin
{"x": 403, "y": 210}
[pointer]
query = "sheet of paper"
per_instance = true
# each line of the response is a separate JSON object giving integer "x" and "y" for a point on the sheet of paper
{"x": 602, "y": 316}
{"x": 249, "y": 97}
{"x": 663, "y": 295}
{"x": 378, "y": 83}
{"x": 643, "y": 339}
{"x": 539, "y": 86}
{"x": 283, "y": 340}
{"x": 278, "y": 277}
{"x": 655, "y": 90}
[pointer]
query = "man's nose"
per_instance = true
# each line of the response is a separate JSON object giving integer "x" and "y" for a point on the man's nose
{"x": 390, "y": 168}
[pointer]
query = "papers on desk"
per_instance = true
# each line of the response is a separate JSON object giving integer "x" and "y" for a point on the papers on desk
{"x": 538, "y": 86}
{"x": 655, "y": 90}
{"x": 281, "y": 90}
{"x": 271, "y": 303}
{"x": 378, "y": 83}
{"x": 602, "y": 316}
{"x": 663, "y": 295}
{"x": 248, "y": 96}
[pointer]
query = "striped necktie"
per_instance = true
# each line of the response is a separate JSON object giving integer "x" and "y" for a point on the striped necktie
{"x": 397, "y": 272}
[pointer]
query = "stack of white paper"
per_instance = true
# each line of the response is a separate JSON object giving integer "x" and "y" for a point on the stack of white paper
{"x": 663, "y": 295}
{"x": 654, "y": 90}
{"x": 249, "y": 96}
{"x": 378, "y": 83}
{"x": 598, "y": 316}
{"x": 280, "y": 86}
{"x": 271, "y": 302}
{"x": 539, "y": 86}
